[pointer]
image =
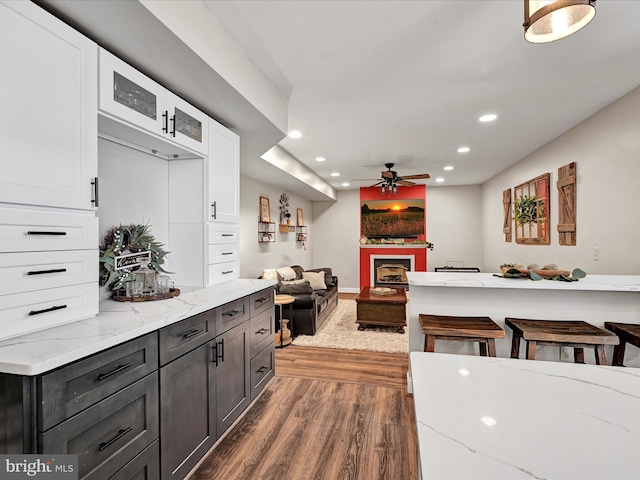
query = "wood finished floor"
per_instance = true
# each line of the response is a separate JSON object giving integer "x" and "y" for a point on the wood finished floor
{"x": 327, "y": 415}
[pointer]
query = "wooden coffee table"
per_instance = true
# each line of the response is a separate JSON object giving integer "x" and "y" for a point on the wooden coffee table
{"x": 385, "y": 311}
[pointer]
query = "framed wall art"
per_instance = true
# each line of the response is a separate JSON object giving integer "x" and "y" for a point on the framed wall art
{"x": 265, "y": 210}
{"x": 300, "y": 218}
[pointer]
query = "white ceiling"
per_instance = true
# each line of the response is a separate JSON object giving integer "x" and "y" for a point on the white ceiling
{"x": 371, "y": 82}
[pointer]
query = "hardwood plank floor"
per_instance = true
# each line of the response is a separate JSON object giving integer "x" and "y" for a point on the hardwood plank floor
{"x": 327, "y": 415}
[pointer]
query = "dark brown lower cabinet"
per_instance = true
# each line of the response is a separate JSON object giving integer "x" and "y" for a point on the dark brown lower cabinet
{"x": 145, "y": 466}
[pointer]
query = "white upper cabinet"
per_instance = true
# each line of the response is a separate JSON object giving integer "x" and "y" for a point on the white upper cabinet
{"x": 133, "y": 97}
{"x": 223, "y": 175}
{"x": 48, "y": 128}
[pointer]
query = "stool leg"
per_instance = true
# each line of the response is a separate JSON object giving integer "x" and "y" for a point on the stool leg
{"x": 531, "y": 349}
{"x": 483, "y": 348}
{"x": 578, "y": 355}
{"x": 515, "y": 345}
{"x": 429, "y": 343}
{"x": 618, "y": 354}
{"x": 601, "y": 356}
{"x": 492, "y": 347}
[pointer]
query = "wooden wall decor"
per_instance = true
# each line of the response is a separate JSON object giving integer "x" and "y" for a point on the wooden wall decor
{"x": 531, "y": 211}
{"x": 567, "y": 204}
{"x": 506, "y": 214}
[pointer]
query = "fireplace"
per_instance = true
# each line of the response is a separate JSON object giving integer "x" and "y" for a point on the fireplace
{"x": 391, "y": 270}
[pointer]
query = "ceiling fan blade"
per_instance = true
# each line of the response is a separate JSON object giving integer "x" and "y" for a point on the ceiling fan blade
{"x": 389, "y": 174}
{"x": 405, "y": 183}
{"x": 364, "y": 179}
{"x": 416, "y": 177}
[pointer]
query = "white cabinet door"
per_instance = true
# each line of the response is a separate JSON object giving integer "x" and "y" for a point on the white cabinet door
{"x": 128, "y": 94}
{"x": 48, "y": 126}
{"x": 187, "y": 125}
{"x": 223, "y": 174}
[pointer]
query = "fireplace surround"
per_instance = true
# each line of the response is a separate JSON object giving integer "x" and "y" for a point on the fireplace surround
{"x": 415, "y": 257}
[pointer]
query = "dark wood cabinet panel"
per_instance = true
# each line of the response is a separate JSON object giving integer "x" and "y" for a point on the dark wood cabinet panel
{"x": 231, "y": 314}
{"x": 145, "y": 466}
{"x": 261, "y": 301}
{"x": 182, "y": 337}
{"x": 187, "y": 411}
{"x": 71, "y": 389}
{"x": 261, "y": 331}
{"x": 262, "y": 370}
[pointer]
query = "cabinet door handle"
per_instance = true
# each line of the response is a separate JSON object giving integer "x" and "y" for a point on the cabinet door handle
{"x": 222, "y": 349}
{"x": 165, "y": 122}
{"x": 118, "y": 436}
{"x": 173, "y": 126}
{"x": 192, "y": 333}
{"x": 43, "y": 272}
{"x": 31, "y": 232}
{"x": 95, "y": 192}
{"x": 214, "y": 214}
{"x": 262, "y": 369}
{"x": 118, "y": 369}
{"x": 215, "y": 353}
{"x": 52, "y": 309}
{"x": 262, "y": 331}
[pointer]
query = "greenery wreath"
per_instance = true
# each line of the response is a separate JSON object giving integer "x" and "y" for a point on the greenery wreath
{"x": 122, "y": 240}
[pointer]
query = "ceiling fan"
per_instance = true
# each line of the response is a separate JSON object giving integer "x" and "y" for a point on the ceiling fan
{"x": 390, "y": 179}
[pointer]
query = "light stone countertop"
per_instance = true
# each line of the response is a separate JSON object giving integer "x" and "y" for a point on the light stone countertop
{"x": 502, "y": 418}
{"x": 611, "y": 283}
{"x": 117, "y": 322}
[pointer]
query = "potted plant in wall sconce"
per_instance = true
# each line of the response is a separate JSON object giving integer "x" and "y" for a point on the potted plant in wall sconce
{"x": 285, "y": 216}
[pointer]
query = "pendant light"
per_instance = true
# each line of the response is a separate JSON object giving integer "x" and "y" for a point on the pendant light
{"x": 550, "y": 20}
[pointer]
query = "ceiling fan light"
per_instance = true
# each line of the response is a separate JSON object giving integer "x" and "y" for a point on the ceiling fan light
{"x": 383, "y": 189}
{"x": 394, "y": 189}
{"x": 546, "y": 21}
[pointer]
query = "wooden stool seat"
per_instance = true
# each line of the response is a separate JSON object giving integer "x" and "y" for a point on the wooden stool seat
{"x": 562, "y": 333}
{"x": 627, "y": 333}
{"x": 467, "y": 329}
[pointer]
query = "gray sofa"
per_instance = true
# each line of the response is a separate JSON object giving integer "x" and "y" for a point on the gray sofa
{"x": 311, "y": 307}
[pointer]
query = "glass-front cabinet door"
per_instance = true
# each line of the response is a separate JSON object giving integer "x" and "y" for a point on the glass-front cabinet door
{"x": 130, "y": 95}
{"x": 187, "y": 125}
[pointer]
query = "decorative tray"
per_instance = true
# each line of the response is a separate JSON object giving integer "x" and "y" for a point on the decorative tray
{"x": 173, "y": 292}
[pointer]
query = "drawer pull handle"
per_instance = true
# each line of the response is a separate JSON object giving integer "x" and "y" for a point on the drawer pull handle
{"x": 120, "y": 434}
{"x": 52, "y": 309}
{"x": 192, "y": 333}
{"x": 118, "y": 369}
{"x": 227, "y": 271}
{"x": 227, "y": 253}
{"x": 227, "y": 235}
{"x": 32, "y": 232}
{"x": 42, "y": 272}
{"x": 232, "y": 313}
{"x": 262, "y": 369}
{"x": 262, "y": 300}
{"x": 262, "y": 331}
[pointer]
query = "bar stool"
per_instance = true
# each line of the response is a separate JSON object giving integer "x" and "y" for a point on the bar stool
{"x": 466, "y": 329}
{"x": 627, "y": 333}
{"x": 560, "y": 333}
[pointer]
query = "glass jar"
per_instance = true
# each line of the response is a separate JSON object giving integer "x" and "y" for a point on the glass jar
{"x": 147, "y": 277}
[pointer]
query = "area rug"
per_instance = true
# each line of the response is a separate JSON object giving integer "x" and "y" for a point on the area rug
{"x": 340, "y": 330}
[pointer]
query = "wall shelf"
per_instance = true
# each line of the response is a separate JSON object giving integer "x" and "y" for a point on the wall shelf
{"x": 301, "y": 233}
{"x": 266, "y": 232}
{"x": 284, "y": 228}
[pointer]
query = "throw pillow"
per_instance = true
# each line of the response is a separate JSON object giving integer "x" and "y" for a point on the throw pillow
{"x": 287, "y": 273}
{"x": 295, "y": 287}
{"x": 316, "y": 279}
{"x": 328, "y": 275}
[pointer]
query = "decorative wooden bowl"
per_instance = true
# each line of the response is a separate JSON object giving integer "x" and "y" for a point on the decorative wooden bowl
{"x": 174, "y": 292}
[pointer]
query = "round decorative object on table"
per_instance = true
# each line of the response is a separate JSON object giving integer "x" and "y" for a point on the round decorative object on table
{"x": 283, "y": 336}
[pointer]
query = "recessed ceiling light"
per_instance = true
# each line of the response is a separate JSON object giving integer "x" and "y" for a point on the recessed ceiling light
{"x": 464, "y": 150}
{"x": 440, "y": 180}
{"x": 345, "y": 184}
{"x": 448, "y": 167}
{"x": 294, "y": 134}
{"x": 320, "y": 159}
{"x": 488, "y": 118}
{"x": 335, "y": 174}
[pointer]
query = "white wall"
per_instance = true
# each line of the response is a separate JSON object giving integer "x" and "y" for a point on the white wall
{"x": 606, "y": 149}
{"x": 285, "y": 251}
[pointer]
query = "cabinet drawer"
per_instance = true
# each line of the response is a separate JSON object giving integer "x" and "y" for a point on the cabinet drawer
{"x": 223, "y": 233}
{"x": 146, "y": 466}
{"x": 26, "y": 272}
{"x": 184, "y": 336}
{"x": 24, "y": 230}
{"x": 22, "y": 313}
{"x": 223, "y": 272}
{"x": 262, "y": 370}
{"x": 262, "y": 326}
{"x": 71, "y": 389}
{"x": 261, "y": 301}
{"x": 231, "y": 314}
{"x": 223, "y": 253}
{"x": 109, "y": 434}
